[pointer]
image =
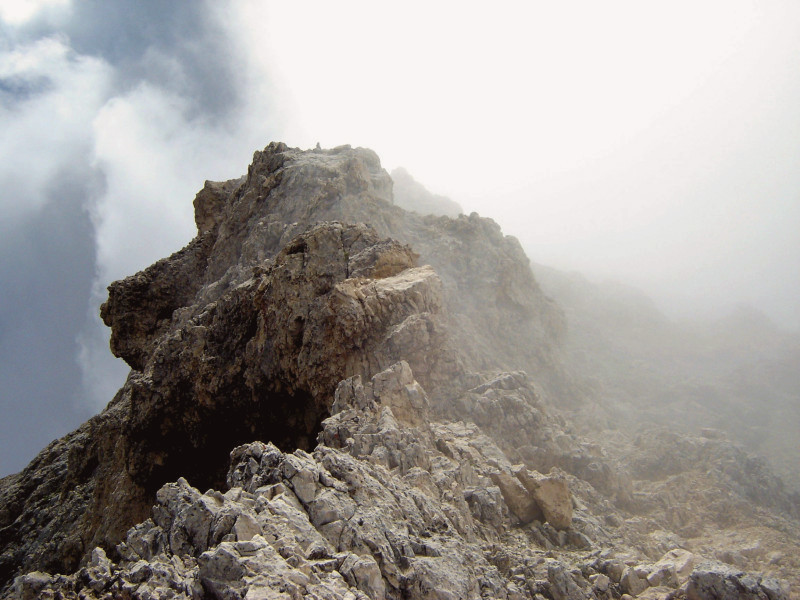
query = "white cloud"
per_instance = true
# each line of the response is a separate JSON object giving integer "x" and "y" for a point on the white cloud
{"x": 650, "y": 143}
{"x": 148, "y": 154}
{"x": 628, "y": 139}
{"x": 444, "y": 86}
{"x": 52, "y": 97}
{"x": 623, "y": 138}
{"x": 155, "y": 158}
{"x": 19, "y": 12}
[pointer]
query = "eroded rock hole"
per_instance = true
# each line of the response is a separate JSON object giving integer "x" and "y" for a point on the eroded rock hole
{"x": 201, "y": 452}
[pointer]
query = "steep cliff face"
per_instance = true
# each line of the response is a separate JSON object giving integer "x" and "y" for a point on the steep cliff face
{"x": 371, "y": 409}
{"x": 245, "y": 333}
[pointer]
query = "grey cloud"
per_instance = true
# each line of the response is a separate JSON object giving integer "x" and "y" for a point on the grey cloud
{"x": 19, "y": 89}
{"x": 177, "y": 46}
{"x": 47, "y": 265}
{"x": 174, "y": 45}
{"x": 48, "y": 254}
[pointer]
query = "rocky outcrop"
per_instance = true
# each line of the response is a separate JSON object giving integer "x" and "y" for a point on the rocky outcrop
{"x": 376, "y": 511}
{"x": 384, "y": 507}
{"x": 262, "y": 359}
{"x": 388, "y": 392}
{"x": 246, "y": 332}
{"x": 717, "y": 582}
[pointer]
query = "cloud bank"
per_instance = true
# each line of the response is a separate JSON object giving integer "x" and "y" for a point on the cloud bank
{"x": 657, "y": 146}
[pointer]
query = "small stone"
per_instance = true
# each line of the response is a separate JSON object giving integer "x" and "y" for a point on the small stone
{"x": 551, "y": 493}
{"x": 30, "y": 586}
{"x": 139, "y": 572}
{"x": 246, "y": 527}
{"x": 615, "y": 569}
{"x": 631, "y": 583}
{"x": 600, "y": 582}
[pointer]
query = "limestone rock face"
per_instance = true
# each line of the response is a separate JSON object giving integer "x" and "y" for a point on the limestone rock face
{"x": 380, "y": 513}
{"x": 263, "y": 357}
{"x": 246, "y": 332}
{"x": 382, "y": 508}
{"x": 716, "y": 582}
{"x": 551, "y": 494}
{"x": 369, "y": 398}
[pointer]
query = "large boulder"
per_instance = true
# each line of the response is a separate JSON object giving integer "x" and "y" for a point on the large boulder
{"x": 551, "y": 494}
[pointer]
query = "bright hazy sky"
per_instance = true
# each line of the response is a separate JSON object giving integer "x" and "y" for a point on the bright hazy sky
{"x": 655, "y": 143}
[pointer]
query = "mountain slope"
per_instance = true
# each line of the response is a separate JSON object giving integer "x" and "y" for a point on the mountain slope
{"x": 739, "y": 373}
{"x": 246, "y": 332}
{"x": 371, "y": 399}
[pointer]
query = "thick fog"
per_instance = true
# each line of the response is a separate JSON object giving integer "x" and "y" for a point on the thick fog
{"x": 656, "y": 145}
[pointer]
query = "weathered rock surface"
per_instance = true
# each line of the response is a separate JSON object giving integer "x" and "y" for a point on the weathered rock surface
{"x": 246, "y": 332}
{"x": 262, "y": 357}
{"x": 719, "y": 582}
{"x": 403, "y": 450}
{"x": 551, "y": 494}
{"x": 379, "y": 513}
{"x": 383, "y": 508}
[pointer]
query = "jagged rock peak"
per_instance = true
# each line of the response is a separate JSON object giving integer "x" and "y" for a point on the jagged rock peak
{"x": 243, "y": 224}
{"x": 362, "y": 391}
{"x": 245, "y": 333}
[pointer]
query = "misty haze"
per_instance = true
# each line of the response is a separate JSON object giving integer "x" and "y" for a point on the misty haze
{"x": 511, "y": 313}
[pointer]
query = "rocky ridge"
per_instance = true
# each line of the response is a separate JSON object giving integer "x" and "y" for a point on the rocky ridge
{"x": 246, "y": 332}
{"x": 404, "y": 452}
{"x": 389, "y": 505}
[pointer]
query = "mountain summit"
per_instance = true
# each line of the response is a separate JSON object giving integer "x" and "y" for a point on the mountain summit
{"x": 370, "y": 398}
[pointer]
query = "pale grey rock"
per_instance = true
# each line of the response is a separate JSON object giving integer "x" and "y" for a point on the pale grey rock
{"x": 657, "y": 593}
{"x": 672, "y": 569}
{"x": 519, "y": 501}
{"x": 246, "y": 527}
{"x": 563, "y": 584}
{"x": 600, "y": 582}
{"x": 329, "y": 506}
{"x": 405, "y": 381}
{"x": 487, "y": 506}
{"x": 31, "y": 585}
{"x": 396, "y": 389}
{"x": 550, "y": 493}
{"x": 363, "y": 573}
{"x": 722, "y": 582}
{"x": 632, "y": 583}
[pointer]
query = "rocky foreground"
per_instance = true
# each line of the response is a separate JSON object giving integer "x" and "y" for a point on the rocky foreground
{"x": 354, "y": 399}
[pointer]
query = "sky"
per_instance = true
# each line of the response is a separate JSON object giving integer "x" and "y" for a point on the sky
{"x": 653, "y": 143}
